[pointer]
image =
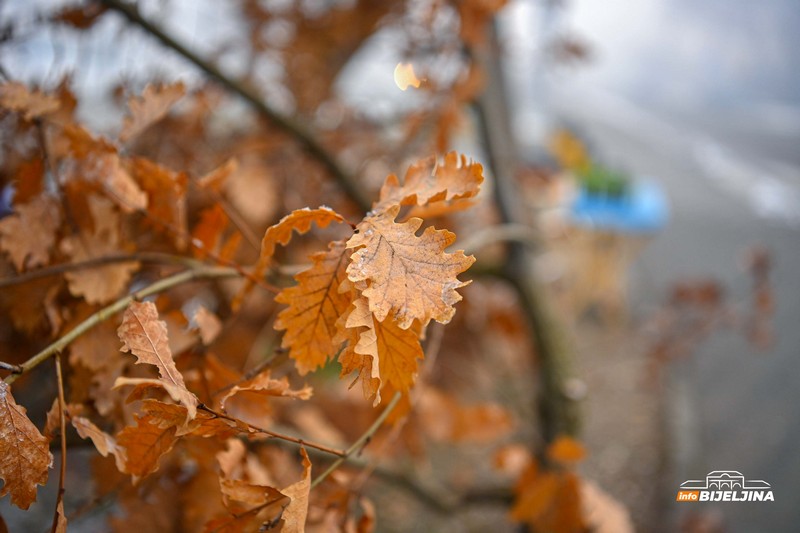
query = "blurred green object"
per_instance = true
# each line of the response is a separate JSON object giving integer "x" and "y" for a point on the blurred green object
{"x": 601, "y": 181}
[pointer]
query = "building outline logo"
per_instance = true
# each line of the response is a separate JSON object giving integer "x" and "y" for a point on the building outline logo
{"x": 726, "y": 486}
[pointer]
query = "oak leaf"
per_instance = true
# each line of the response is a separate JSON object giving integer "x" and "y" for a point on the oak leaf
{"x": 144, "y": 444}
{"x": 246, "y": 492}
{"x": 166, "y": 197}
{"x": 149, "y": 108}
{"x": 100, "y": 284}
{"x": 25, "y": 456}
{"x": 427, "y": 182}
{"x": 315, "y": 304}
{"x": 105, "y": 443}
{"x": 294, "y": 516}
{"x": 409, "y": 277}
{"x": 300, "y": 221}
{"x": 16, "y": 97}
{"x": 145, "y": 336}
{"x": 264, "y": 385}
{"x": 383, "y": 344}
{"x": 105, "y": 167}
{"x": 29, "y": 234}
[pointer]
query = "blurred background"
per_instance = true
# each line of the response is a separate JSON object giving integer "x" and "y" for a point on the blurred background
{"x": 658, "y": 154}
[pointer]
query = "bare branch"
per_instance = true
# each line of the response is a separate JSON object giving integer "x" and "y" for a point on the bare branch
{"x": 304, "y": 138}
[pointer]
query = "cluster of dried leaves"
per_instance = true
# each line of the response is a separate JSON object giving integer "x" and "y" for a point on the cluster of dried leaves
{"x": 188, "y": 345}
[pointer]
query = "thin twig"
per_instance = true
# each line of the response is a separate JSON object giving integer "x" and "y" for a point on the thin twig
{"x": 361, "y": 441}
{"x": 304, "y": 138}
{"x": 15, "y": 369}
{"x": 62, "y": 474}
{"x": 144, "y": 257}
{"x": 281, "y": 436}
{"x": 110, "y": 310}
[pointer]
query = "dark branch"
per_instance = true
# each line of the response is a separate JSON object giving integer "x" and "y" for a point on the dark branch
{"x": 309, "y": 143}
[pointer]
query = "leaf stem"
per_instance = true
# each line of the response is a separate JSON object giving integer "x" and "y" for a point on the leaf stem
{"x": 275, "y": 434}
{"x": 361, "y": 441}
{"x": 62, "y": 474}
{"x": 110, "y": 310}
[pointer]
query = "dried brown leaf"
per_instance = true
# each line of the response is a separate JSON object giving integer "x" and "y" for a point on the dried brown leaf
{"x": 145, "y": 444}
{"x": 16, "y": 97}
{"x": 409, "y": 277}
{"x": 25, "y": 457}
{"x": 315, "y": 304}
{"x": 263, "y": 385}
{"x": 294, "y": 516}
{"x": 101, "y": 284}
{"x": 427, "y": 182}
{"x": 383, "y": 343}
{"x": 29, "y": 234}
{"x": 149, "y": 108}
{"x": 166, "y": 195}
{"x": 145, "y": 336}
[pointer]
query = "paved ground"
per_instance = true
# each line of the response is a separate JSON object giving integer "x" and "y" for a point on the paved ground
{"x": 730, "y": 407}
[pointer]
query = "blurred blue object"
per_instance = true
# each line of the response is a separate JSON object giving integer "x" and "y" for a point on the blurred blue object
{"x": 643, "y": 209}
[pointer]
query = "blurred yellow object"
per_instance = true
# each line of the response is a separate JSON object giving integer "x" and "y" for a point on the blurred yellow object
{"x": 569, "y": 151}
{"x": 404, "y": 76}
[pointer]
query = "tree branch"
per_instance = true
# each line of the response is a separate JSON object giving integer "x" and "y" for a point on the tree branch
{"x": 281, "y": 436}
{"x": 304, "y": 138}
{"x": 558, "y": 413}
{"x": 62, "y": 473}
{"x": 361, "y": 441}
{"x": 110, "y": 310}
{"x": 145, "y": 257}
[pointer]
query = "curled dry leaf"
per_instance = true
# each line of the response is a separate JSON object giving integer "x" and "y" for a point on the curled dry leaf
{"x": 25, "y": 456}
{"x": 427, "y": 182}
{"x": 249, "y": 499}
{"x": 149, "y": 108}
{"x": 294, "y": 516}
{"x": 299, "y": 220}
{"x": 105, "y": 443}
{"x": 145, "y": 336}
{"x": 101, "y": 284}
{"x": 264, "y": 385}
{"x": 28, "y": 235}
{"x": 16, "y": 97}
{"x": 409, "y": 277}
{"x": 383, "y": 344}
{"x": 315, "y": 304}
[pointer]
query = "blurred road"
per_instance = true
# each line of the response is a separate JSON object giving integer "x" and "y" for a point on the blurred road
{"x": 730, "y": 407}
